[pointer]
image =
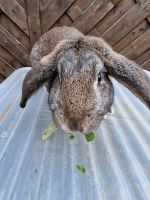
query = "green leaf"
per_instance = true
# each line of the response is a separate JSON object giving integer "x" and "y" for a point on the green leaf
{"x": 81, "y": 169}
{"x": 90, "y": 136}
{"x": 71, "y": 136}
{"x": 52, "y": 128}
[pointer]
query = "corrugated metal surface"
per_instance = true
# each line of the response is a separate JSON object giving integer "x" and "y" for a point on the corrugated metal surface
{"x": 117, "y": 163}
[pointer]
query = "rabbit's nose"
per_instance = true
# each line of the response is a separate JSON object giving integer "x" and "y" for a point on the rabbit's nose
{"x": 74, "y": 125}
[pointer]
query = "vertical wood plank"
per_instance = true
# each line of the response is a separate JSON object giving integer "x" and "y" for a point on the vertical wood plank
{"x": 32, "y": 8}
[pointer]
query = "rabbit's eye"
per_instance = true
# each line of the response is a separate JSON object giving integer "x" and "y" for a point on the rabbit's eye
{"x": 99, "y": 77}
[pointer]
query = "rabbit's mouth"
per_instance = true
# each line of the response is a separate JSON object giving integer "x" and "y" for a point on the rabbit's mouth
{"x": 84, "y": 130}
{"x": 65, "y": 128}
{"x": 75, "y": 126}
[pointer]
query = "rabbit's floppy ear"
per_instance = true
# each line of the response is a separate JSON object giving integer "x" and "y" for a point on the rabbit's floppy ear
{"x": 35, "y": 78}
{"x": 122, "y": 69}
{"x": 42, "y": 72}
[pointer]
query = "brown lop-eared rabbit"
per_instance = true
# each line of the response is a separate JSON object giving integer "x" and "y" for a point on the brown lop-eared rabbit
{"x": 75, "y": 68}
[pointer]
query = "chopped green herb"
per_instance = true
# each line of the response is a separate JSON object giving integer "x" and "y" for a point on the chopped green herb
{"x": 52, "y": 128}
{"x": 81, "y": 168}
{"x": 90, "y": 137}
{"x": 71, "y": 136}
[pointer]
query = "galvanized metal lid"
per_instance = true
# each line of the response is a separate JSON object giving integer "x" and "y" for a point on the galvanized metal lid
{"x": 117, "y": 163}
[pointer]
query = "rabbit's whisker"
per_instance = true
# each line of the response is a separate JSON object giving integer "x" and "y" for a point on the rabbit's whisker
{"x": 107, "y": 125}
{"x": 46, "y": 110}
{"x": 121, "y": 119}
{"x": 42, "y": 119}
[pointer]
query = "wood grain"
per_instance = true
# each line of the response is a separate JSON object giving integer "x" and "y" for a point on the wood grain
{"x": 11, "y": 60}
{"x": 13, "y": 46}
{"x": 92, "y": 15}
{"x": 2, "y": 78}
{"x": 12, "y": 28}
{"x": 63, "y": 21}
{"x": 148, "y": 18}
{"x": 16, "y": 12}
{"x": 124, "y": 24}
{"x": 5, "y": 68}
{"x": 84, "y": 4}
{"x": 143, "y": 57}
{"x": 78, "y": 7}
{"x": 146, "y": 64}
{"x": 74, "y": 12}
{"x": 32, "y": 8}
{"x": 51, "y": 10}
{"x": 132, "y": 36}
{"x": 140, "y": 44}
{"x": 116, "y": 12}
{"x": 22, "y": 3}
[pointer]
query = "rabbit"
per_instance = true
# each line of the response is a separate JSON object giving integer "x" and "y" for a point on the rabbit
{"x": 75, "y": 69}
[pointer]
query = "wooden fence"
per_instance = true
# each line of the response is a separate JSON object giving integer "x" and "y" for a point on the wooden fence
{"x": 124, "y": 24}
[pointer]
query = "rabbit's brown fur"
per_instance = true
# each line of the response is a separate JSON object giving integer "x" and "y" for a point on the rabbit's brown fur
{"x": 49, "y": 41}
{"x": 72, "y": 63}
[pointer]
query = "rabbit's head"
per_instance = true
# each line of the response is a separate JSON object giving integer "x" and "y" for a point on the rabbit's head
{"x": 80, "y": 91}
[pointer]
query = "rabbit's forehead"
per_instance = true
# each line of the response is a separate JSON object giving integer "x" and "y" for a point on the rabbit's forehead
{"x": 79, "y": 59}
